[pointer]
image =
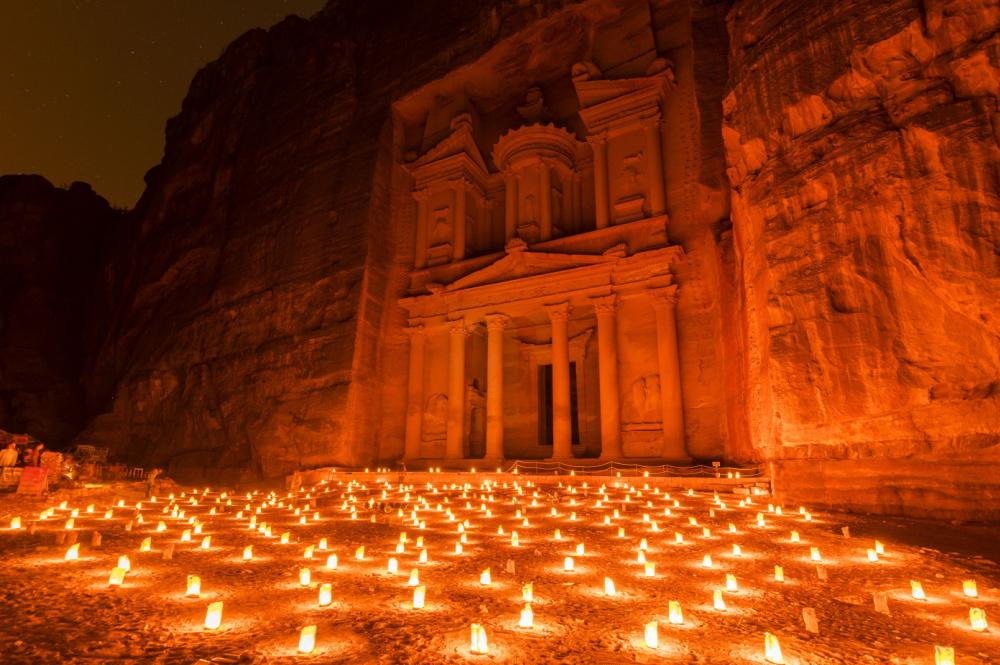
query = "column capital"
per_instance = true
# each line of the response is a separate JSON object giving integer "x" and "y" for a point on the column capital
{"x": 460, "y": 184}
{"x": 459, "y": 327}
{"x": 558, "y": 311}
{"x": 665, "y": 297}
{"x": 496, "y": 321}
{"x": 414, "y": 331}
{"x": 654, "y": 120}
{"x": 598, "y": 138}
{"x": 420, "y": 194}
{"x": 605, "y": 305}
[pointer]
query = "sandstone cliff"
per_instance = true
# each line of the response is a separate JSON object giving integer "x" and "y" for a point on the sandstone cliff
{"x": 52, "y": 244}
{"x": 862, "y": 143}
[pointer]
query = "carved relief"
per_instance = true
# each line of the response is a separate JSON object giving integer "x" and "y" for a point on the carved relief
{"x": 475, "y": 420}
{"x": 435, "y": 425}
{"x": 631, "y": 188}
{"x": 641, "y": 405}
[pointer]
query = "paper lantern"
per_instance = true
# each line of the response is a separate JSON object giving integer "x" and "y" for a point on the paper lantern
{"x": 977, "y": 619}
{"x": 393, "y": 566}
{"x": 206, "y": 542}
{"x": 161, "y": 526}
{"x": 515, "y": 541}
{"x": 772, "y": 649}
{"x": 400, "y": 548}
{"x": 718, "y": 601}
{"x": 879, "y": 547}
{"x": 643, "y": 545}
{"x": 308, "y": 552}
{"x": 423, "y": 556}
{"x": 117, "y": 577}
{"x": 528, "y": 592}
{"x": 732, "y": 528}
{"x": 944, "y": 655}
{"x": 814, "y": 554}
{"x": 872, "y": 555}
{"x": 307, "y": 639}
{"x": 305, "y": 575}
{"x": 609, "y": 587}
{"x": 706, "y": 532}
{"x": 458, "y": 548}
{"x": 485, "y": 578}
{"x": 558, "y": 535}
{"x": 359, "y": 553}
{"x": 795, "y": 536}
{"x": 706, "y": 561}
{"x": 186, "y": 535}
{"x": 674, "y": 613}
{"x": 213, "y": 617}
{"x": 325, "y": 594}
{"x": 736, "y": 550}
{"x": 73, "y": 553}
{"x": 331, "y": 561}
{"x": 285, "y": 537}
{"x": 15, "y": 522}
{"x": 322, "y": 543}
{"x": 779, "y": 574}
{"x": 678, "y": 537}
{"x": 146, "y": 545}
{"x": 650, "y": 569}
{"x": 652, "y": 635}
{"x": 124, "y": 563}
{"x": 621, "y": 532}
{"x": 418, "y": 597}
{"x": 248, "y": 552}
{"x": 478, "y": 640}
{"x": 568, "y": 564}
{"x": 193, "y": 587}
{"x": 731, "y": 584}
{"x": 640, "y": 556}
{"x": 527, "y": 617}
{"x": 917, "y": 590}
{"x": 969, "y": 588}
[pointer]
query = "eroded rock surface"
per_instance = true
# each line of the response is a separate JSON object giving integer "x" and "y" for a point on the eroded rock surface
{"x": 862, "y": 140}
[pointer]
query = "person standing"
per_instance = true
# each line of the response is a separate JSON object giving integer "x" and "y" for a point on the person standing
{"x": 8, "y": 456}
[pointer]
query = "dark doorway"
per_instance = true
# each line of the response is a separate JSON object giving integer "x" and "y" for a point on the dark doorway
{"x": 545, "y": 405}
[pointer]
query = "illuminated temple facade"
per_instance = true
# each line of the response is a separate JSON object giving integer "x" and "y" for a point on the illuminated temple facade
{"x": 540, "y": 309}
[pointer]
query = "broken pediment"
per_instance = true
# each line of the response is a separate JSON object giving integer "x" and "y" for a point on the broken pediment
{"x": 520, "y": 264}
{"x": 456, "y": 149}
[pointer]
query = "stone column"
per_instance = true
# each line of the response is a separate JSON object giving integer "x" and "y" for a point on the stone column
{"x": 601, "y": 205}
{"x": 657, "y": 197}
{"x": 545, "y": 198}
{"x": 455, "y": 441}
{"x": 458, "y": 236}
{"x": 420, "y": 250}
{"x": 415, "y": 394}
{"x": 495, "y": 324}
{"x": 510, "y": 204}
{"x": 607, "y": 360}
{"x": 562, "y": 429}
{"x": 665, "y": 305}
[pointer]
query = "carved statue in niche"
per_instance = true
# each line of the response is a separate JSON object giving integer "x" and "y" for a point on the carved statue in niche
{"x": 441, "y": 229}
{"x": 628, "y": 180}
{"x": 642, "y": 405}
{"x": 475, "y": 420}
{"x": 528, "y": 209}
{"x": 435, "y": 425}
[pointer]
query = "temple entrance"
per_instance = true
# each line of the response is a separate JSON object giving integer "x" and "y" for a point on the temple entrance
{"x": 545, "y": 435}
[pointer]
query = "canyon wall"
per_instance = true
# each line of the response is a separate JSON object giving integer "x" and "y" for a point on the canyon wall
{"x": 52, "y": 246}
{"x": 862, "y": 144}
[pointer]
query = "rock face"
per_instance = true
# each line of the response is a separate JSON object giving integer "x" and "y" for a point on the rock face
{"x": 52, "y": 244}
{"x": 831, "y": 174}
{"x": 862, "y": 143}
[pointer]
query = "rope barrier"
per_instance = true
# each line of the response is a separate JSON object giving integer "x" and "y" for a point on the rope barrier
{"x": 625, "y": 468}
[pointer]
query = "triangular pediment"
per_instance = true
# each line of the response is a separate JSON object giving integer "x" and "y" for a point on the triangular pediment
{"x": 459, "y": 142}
{"x": 522, "y": 264}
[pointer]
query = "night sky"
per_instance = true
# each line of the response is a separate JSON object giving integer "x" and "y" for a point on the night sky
{"x": 86, "y": 86}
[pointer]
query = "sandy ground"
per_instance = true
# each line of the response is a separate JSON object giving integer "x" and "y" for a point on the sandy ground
{"x": 64, "y": 611}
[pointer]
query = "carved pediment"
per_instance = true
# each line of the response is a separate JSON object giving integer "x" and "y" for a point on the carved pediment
{"x": 460, "y": 143}
{"x": 520, "y": 264}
